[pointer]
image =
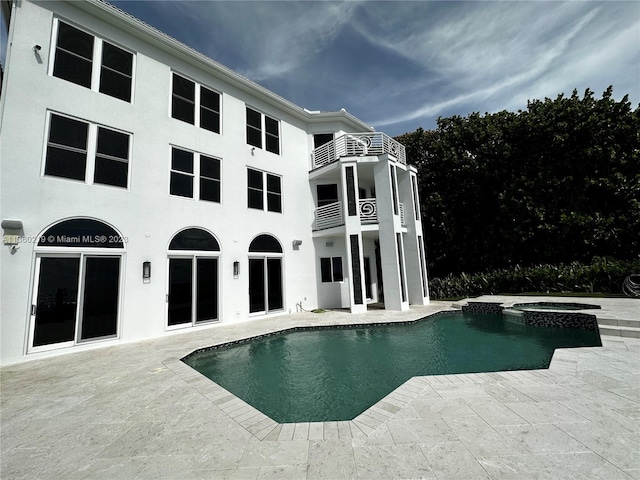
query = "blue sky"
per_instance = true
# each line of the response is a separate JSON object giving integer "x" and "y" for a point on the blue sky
{"x": 399, "y": 65}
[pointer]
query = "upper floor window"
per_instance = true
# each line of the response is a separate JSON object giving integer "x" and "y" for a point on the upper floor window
{"x": 81, "y": 150}
{"x": 194, "y": 175}
{"x": 262, "y": 129}
{"x": 76, "y": 54}
{"x": 258, "y": 195}
{"x": 195, "y": 104}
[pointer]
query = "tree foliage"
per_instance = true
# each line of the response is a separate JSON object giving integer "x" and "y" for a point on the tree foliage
{"x": 556, "y": 183}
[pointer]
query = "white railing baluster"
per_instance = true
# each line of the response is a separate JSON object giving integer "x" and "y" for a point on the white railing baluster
{"x": 328, "y": 216}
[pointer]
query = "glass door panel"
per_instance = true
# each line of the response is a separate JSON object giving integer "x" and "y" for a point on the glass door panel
{"x": 206, "y": 289}
{"x": 274, "y": 285}
{"x": 100, "y": 299}
{"x": 57, "y": 301}
{"x": 180, "y": 290}
{"x": 256, "y": 285}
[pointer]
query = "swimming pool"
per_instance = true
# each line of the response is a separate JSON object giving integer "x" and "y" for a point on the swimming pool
{"x": 335, "y": 374}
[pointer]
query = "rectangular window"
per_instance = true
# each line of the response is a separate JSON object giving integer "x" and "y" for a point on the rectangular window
{"x": 194, "y": 175}
{"x": 255, "y": 129}
{"x": 274, "y": 194}
{"x": 331, "y": 269}
{"x": 116, "y": 72}
{"x": 112, "y": 158}
{"x": 67, "y": 148}
{"x": 258, "y": 196}
{"x": 181, "y": 173}
{"x": 81, "y": 150}
{"x": 209, "y": 110}
{"x": 327, "y": 194}
{"x": 77, "y": 52}
{"x": 209, "y": 179}
{"x": 195, "y": 104}
{"x": 255, "y": 189}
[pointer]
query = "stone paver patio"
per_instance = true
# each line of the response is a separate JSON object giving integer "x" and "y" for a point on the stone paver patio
{"x": 136, "y": 412}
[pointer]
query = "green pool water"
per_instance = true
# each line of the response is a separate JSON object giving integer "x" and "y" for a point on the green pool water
{"x": 335, "y": 374}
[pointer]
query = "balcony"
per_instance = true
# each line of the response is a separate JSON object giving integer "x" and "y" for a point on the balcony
{"x": 331, "y": 215}
{"x": 358, "y": 144}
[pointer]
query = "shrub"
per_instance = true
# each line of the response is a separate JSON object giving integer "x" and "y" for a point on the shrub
{"x": 604, "y": 275}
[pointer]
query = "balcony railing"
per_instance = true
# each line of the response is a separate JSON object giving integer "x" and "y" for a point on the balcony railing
{"x": 358, "y": 144}
{"x": 329, "y": 216}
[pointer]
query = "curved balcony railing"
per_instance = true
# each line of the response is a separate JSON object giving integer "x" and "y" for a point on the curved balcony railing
{"x": 331, "y": 215}
{"x": 358, "y": 144}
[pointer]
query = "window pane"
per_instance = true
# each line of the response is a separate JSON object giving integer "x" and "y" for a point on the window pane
{"x": 57, "y": 300}
{"x": 69, "y": 132}
{"x": 254, "y": 137}
{"x": 206, "y": 289}
{"x": 209, "y": 190}
{"x": 72, "y": 68}
{"x": 254, "y": 118}
{"x": 65, "y": 163}
{"x": 182, "y": 160}
{"x": 209, "y": 99}
{"x": 182, "y": 110}
{"x": 273, "y": 144}
{"x": 274, "y": 287}
{"x": 256, "y": 285}
{"x": 327, "y": 194}
{"x": 209, "y": 167}
{"x": 325, "y": 270}
{"x": 337, "y": 269}
{"x": 74, "y": 40}
{"x": 265, "y": 244}
{"x": 84, "y": 231}
{"x": 74, "y": 54}
{"x": 180, "y": 293}
{"x": 273, "y": 183}
{"x": 100, "y": 306}
{"x": 117, "y": 59}
{"x": 111, "y": 172}
{"x": 320, "y": 139}
{"x": 184, "y": 88}
{"x": 274, "y": 202}
{"x": 181, "y": 185}
{"x": 271, "y": 126}
{"x": 115, "y": 84}
{"x": 112, "y": 143}
{"x": 194, "y": 239}
{"x": 254, "y": 178}
{"x": 256, "y": 199}
{"x": 209, "y": 120}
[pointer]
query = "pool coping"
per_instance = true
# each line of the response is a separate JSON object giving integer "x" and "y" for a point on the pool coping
{"x": 264, "y": 428}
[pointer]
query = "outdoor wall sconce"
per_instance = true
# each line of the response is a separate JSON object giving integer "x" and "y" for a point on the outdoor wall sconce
{"x": 236, "y": 269}
{"x": 296, "y": 244}
{"x": 146, "y": 272}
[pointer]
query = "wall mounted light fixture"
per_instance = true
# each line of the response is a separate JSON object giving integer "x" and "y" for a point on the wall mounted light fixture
{"x": 146, "y": 272}
{"x": 236, "y": 269}
{"x": 296, "y": 244}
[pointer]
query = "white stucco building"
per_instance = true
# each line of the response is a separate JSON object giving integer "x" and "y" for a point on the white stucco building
{"x": 146, "y": 189}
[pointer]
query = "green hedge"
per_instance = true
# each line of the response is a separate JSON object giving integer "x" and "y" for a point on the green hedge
{"x": 602, "y": 275}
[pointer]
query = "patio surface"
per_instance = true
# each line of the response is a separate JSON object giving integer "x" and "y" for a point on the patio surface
{"x": 135, "y": 411}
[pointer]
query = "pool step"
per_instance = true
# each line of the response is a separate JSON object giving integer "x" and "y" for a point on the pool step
{"x": 619, "y": 328}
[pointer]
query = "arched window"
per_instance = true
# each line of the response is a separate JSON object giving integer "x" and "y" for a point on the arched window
{"x": 265, "y": 244}
{"x": 265, "y": 275}
{"x": 193, "y": 278}
{"x": 81, "y": 232}
{"x": 194, "y": 239}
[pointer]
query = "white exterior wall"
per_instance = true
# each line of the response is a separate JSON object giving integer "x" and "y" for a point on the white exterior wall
{"x": 144, "y": 213}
